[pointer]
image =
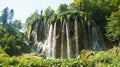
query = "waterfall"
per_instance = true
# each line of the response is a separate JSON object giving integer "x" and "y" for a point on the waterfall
{"x": 54, "y": 42}
{"x": 53, "y": 46}
{"x": 62, "y": 44}
{"x": 68, "y": 41}
{"x": 85, "y": 34}
{"x": 95, "y": 45}
{"x": 34, "y": 34}
{"x": 76, "y": 38}
{"x": 48, "y": 44}
{"x": 96, "y": 37}
{"x": 48, "y": 48}
{"x": 36, "y": 42}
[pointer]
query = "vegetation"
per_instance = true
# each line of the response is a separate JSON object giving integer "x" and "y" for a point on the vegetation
{"x": 106, "y": 13}
{"x": 109, "y": 58}
{"x": 11, "y": 39}
{"x": 113, "y": 26}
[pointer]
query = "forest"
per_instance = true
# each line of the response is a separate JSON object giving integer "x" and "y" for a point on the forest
{"x": 85, "y": 33}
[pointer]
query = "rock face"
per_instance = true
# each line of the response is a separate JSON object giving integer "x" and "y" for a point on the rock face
{"x": 65, "y": 39}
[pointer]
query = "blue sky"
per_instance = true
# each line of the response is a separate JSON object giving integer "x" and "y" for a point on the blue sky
{"x": 24, "y": 8}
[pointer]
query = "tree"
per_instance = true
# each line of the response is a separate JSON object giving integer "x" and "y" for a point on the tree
{"x": 49, "y": 14}
{"x": 62, "y": 11}
{"x": 7, "y": 16}
{"x": 62, "y": 8}
{"x": 9, "y": 42}
{"x": 0, "y": 20}
{"x": 17, "y": 25}
{"x": 4, "y": 16}
{"x": 30, "y": 21}
{"x": 11, "y": 15}
{"x": 13, "y": 44}
{"x": 11, "y": 39}
{"x": 77, "y": 5}
{"x": 97, "y": 10}
{"x": 113, "y": 26}
{"x": 2, "y": 31}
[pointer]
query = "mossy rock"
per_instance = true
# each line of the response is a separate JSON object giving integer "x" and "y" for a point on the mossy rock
{"x": 84, "y": 54}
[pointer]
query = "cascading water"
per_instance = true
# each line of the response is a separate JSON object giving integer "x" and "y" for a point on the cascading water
{"x": 69, "y": 44}
{"x": 46, "y": 46}
{"x": 85, "y": 33}
{"x": 49, "y": 43}
{"x": 54, "y": 42}
{"x": 68, "y": 41}
{"x": 97, "y": 41}
{"x": 62, "y": 44}
{"x": 76, "y": 38}
{"x": 34, "y": 33}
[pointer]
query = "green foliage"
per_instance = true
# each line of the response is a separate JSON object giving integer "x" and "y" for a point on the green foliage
{"x": 109, "y": 58}
{"x": 4, "y": 16}
{"x": 2, "y": 31}
{"x": 2, "y": 53}
{"x": 77, "y": 5}
{"x": 113, "y": 26}
{"x": 9, "y": 44}
{"x": 7, "y": 16}
{"x": 17, "y": 25}
{"x": 99, "y": 11}
{"x": 11, "y": 39}
{"x": 30, "y": 21}
{"x": 49, "y": 15}
{"x": 101, "y": 58}
{"x": 62, "y": 8}
{"x": 39, "y": 62}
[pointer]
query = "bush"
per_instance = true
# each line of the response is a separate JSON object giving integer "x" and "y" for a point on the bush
{"x": 99, "y": 59}
{"x": 2, "y": 53}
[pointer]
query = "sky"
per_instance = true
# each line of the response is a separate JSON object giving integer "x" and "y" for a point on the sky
{"x": 24, "y": 8}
